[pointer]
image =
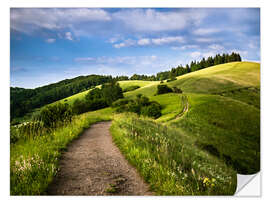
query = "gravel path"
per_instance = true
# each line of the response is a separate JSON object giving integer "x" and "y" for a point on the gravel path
{"x": 93, "y": 165}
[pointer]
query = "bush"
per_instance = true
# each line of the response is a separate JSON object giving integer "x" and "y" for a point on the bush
{"x": 141, "y": 106}
{"x": 54, "y": 114}
{"x": 131, "y": 88}
{"x": 177, "y": 90}
{"x": 153, "y": 110}
{"x": 79, "y": 106}
{"x": 94, "y": 94}
{"x": 111, "y": 92}
{"x": 120, "y": 102}
{"x": 107, "y": 94}
{"x": 163, "y": 89}
{"x": 82, "y": 106}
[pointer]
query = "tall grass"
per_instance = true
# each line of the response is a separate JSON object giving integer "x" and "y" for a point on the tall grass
{"x": 227, "y": 128}
{"x": 34, "y": 161}
{"x": 169, "y": 160}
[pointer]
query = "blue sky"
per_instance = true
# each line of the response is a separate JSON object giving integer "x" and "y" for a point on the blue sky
{"x": 49, "y": 45}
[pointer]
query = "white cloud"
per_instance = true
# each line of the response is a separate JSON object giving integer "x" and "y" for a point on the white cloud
{"x": 150, "y": 20}
{"x": 201, "y": 54}
{"x": 149, "y": 41}
{"x": 216, "y": 47}
{"x": 50, "y": 40}
{"x": 119, "y": 45}
{"x": 167, "y": 40}
{"x": 185, "y": 47}
{"x": 124, "y": 60}
{"x": 206, "y": 31}
{"x": 84, "y": 59}
{"x": 195, "y": 54}
{"x": 208, "y": 54}
{"x": 202, "y": 39}
{"x": 144, "y": 41}
{"x": 125, "y": 43}
{"x": 68, "y": 36}
{"x": 28, "y": 20}
{"x": 113, "y": 40}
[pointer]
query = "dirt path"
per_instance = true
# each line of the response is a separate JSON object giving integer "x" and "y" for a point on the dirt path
{"x": 93, "y": 165}
{"x": 184, "y": 110}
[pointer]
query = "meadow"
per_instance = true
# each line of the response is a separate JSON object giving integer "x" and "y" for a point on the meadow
{"x": 204, "y": 137}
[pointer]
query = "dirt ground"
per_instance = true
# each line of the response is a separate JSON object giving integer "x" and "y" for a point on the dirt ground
{"x": 93, "y": 165}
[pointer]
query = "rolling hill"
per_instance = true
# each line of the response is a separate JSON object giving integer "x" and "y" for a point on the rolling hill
{"x": 224, "y": 102}
{"x": 204, "y": 137}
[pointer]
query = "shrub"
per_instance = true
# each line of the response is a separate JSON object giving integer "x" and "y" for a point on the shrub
{"x": 94, "y": 94}
{"x": 79, "y": 106}
{"x": 133, "y": 106}
{"x": 153, "y": 110}
{"x": 55, "y": 114}
{"x": 120, "y": 102}
{"x": 111, "y": 92}
{"x": 142, "y": 100}
{"x": 163, "y": 89}
{"x": 82, "y": 106}
{"x": 140, "y": 105}
{"x": 107, "y": 94}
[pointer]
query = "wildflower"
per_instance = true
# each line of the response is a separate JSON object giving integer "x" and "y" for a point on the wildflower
{"x": 205, "y": 180}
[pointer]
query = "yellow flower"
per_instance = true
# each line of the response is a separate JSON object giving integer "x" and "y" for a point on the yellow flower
{"x": 206, "y": 180}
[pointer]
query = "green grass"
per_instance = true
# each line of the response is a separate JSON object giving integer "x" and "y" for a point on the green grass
{"x": 218, "y": 137}
{"x": 128, "y": 83}
{"x": 123, "y": 84}
{"x": 229, "y": 126}
{"x": 248, "y": 95}
{"x": 34, "y": 162}
{"x": 172, "y": 105}
{"x": 169, "y": 161}
{"x": 220, "y": 78}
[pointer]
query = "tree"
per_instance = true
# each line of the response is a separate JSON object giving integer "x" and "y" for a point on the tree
{"x": 163, "y": 89}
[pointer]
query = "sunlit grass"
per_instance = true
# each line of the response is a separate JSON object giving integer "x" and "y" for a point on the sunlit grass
{"x": 34, "y": 162}
{"x": 232, "y": 128}
{"x": 169, "y": 160}
{"x": 196, "y": 154}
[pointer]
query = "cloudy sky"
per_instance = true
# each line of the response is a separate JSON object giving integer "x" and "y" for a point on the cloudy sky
{"x": 48, "y": 45}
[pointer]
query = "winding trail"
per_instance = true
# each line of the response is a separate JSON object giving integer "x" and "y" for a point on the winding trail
{"x": 93, "y": 165}
{"x": 185, "y": 108}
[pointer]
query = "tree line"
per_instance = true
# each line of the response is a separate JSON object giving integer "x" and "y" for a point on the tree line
{"x": 24, "y": 100}
{"x": 193, "y": 66}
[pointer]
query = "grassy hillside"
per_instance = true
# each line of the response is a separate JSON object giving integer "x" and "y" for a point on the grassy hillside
{"x": 204, "y": 136}
{"x": 220, "y": 78}
{"x": 123, "y": 85}
{"x": 224, "y": 111}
